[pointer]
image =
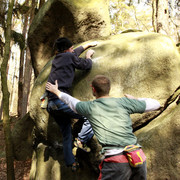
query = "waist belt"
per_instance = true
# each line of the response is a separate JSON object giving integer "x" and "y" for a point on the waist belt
{"x": 120, "y": 158}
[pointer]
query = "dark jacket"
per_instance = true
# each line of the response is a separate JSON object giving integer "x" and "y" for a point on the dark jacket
{"x": 63, "y": 69}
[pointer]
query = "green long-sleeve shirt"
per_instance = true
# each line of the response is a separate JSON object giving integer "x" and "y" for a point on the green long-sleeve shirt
{"x": 110, "y": 119}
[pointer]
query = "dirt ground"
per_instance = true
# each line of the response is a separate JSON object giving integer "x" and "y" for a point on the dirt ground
{"x": 21, "y": 168}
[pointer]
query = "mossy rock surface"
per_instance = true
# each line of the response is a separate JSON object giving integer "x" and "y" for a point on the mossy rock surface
{"x": 141, "y": 64}
{"x": 77, "y": 20}
{"x": 137, "y": 63}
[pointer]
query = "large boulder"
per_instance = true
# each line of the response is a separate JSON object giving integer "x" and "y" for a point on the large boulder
{"x": 141, "y": 64}
{"x": 78, "y": 20}
{"x": 160, "y": 140}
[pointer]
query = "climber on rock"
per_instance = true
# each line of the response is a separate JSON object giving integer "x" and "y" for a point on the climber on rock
{"x": 112, "y": 125}
{"x": 63, "y": 70}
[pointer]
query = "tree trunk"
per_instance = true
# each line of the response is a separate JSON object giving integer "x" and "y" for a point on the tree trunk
{"x": 41, "y": 3}
{"x": 173, "y": 24}
{"x": 160, "y": 16}
{"x": 13, "y": 89}
{"x": 21, "y": 106}
{"x": 20, "y": 84}
{"x": 27, "y": 82}
{"x": 33, "y": 6}
{"x": 1, "y": 109}
{"x": 154, "y": 15}
{"x": 6, "y": 120}
{"x": 28, "y": 68}
{"x": 1, "y": 101}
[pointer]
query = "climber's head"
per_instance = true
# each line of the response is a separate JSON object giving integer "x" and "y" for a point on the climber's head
{"x": 63, "y": 45}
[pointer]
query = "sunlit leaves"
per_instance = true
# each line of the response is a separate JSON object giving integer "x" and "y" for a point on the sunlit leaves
{"x": 128, "y": 15}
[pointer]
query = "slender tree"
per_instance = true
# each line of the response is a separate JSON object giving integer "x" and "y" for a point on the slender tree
{"x": 28, "y": 64}
{"x": 160, "y": 16}
{"x": 174, "y": 15}
{"x": 21, "y": 107}
{"x": 6, "y": 119}
{"x": 1, "y": 57}
{"x": 3, "y": 8}
{"x": 41, "y": 3}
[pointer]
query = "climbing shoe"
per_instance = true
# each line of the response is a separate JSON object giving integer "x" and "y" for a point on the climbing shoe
{"x": 75, "y": 166}
{"x": 81, "y": 145}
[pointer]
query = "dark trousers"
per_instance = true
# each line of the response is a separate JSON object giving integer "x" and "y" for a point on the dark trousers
{"x": 121, "y": 170}
{"x": 62, "y": 115}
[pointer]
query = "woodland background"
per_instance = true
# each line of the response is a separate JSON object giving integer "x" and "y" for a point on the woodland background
{"x": 17, "y": 75}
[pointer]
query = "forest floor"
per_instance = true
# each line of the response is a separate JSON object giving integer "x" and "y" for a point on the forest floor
{"x": 21, "y": 168}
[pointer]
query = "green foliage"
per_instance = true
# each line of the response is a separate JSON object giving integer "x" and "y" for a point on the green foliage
{"x": 18, "y": 38}
{"x": 125, "y": 15}
{"x": 119, "y": 14}
{"x": 17, "y": 11}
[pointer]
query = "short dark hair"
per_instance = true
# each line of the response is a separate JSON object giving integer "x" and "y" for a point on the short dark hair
{"x": 101, "y": 84}
{"x": 62, "y": 44}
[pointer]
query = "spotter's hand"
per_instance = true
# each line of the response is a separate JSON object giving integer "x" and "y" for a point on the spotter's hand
{"x": 53, "y": 87}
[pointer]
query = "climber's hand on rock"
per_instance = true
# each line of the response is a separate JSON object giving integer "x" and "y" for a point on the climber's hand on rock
{"x": 89, "y": 54}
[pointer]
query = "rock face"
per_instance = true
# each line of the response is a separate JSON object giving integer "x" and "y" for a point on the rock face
{"x": 141, "y": 64}
{"x": 22, "y": 138}
{"x": 160, "y": 141}
{"x": 78, "y": 20}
